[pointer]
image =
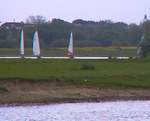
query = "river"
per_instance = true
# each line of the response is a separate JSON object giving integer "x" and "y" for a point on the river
{"x": 102, "y": 111}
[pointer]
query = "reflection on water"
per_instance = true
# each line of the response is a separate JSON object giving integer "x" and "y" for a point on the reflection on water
{"x": 104, "y": 111}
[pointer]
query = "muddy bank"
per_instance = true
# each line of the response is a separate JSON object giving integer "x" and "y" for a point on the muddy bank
{"x": 26, "y": 92}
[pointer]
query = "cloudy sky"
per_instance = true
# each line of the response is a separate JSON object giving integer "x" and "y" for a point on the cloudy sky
{"x": 129, "y": 11}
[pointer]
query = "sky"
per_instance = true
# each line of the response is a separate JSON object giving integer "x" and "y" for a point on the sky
{"x": 129, "y": 11}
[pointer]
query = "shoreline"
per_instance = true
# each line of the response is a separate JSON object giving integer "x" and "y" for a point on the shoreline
{"x": 74, "y": 101}
{"x": 57, "y": 92}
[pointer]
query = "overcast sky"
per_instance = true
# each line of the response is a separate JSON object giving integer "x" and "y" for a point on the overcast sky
{"x": 129, "y": 11}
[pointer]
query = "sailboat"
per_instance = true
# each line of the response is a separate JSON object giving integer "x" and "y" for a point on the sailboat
{"x": 22, "y": 44}
{"x": 36, "y": 45}
{"x": 139, "y": 48}
{"x": 70, "y": 47}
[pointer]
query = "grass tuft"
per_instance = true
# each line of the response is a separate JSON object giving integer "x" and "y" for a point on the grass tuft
{"x": 87, "y": 67}
{"x": 133, "y": 73}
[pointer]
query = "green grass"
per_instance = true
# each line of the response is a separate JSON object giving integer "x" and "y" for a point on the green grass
{"x": 105, "y": 73}
{"x": 106, "y": 51}
{"x": 85, "y": 51}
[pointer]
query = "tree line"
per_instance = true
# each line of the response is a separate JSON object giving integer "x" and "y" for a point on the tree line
{"x": 55, "y": 33}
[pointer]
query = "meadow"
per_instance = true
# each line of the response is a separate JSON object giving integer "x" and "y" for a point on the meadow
{"x": 85, "y": 51}
{"x": 133, "y": 73}
{"x": 68, "y": 80}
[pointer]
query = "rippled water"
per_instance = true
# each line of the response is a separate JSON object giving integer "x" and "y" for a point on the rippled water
{"x": 104, "y": 111}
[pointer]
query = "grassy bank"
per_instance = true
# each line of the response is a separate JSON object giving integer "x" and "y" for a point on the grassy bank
{"x": 43, "y": 81}
{"x": 100, "y": 73}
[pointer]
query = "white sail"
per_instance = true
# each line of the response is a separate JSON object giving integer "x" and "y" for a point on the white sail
{"x": 36, "y": 44}
{"x": 70, "y": 47}
{"x": 22, "y": 43}
{"x": 139, "y": 48}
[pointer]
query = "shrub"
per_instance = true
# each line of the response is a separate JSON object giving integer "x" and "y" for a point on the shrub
{"x": 87, "y": 67}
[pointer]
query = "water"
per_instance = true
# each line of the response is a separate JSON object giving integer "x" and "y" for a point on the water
{"x": 104, "y": 111}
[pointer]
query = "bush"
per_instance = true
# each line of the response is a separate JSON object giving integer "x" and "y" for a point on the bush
{"x": 87, "y": 67}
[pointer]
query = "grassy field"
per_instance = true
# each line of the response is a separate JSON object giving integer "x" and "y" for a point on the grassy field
{"x": 86, "y": 51}
{"x": 45, "y": 81}
{"x": 99, "y": 73}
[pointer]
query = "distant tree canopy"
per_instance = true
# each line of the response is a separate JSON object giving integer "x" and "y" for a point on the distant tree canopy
{"x": 144, "y": 45}
{"x": 146, "y": 27}
{"x": 36, "y": 19}
{"x": 85, "y": 33}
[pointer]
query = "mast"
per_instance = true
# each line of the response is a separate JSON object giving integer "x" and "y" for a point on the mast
{"x": 22, "y": 43}
{"x": 70, "y": 47}
{"x": 36, "y": 44}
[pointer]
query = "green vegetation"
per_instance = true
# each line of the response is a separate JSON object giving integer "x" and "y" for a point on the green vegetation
{"x": 106, "y": 73}
{"x": 144, "y": 45}
{"x": 85, "y": 51}
{"x": 87, "y": 67}
{"x": 56, "y": 33}
{"x": 106, "y": 51}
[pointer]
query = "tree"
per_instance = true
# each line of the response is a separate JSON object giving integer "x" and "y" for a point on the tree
{"x": 86, "y": 33}
{"x": 144, "y": 45}
{"x": 134, "y": 33}
{"x": 36, "y": 20}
